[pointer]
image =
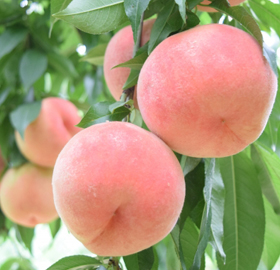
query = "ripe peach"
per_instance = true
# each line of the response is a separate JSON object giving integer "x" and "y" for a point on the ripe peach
{"x": 26, "y": 195}
{"x": 209, "y": 9}
{"x": 118, "y": 188}
{"x": 211, "y": 94}
{"x": 46, "y": 136}
{"x": 119, "y": 50}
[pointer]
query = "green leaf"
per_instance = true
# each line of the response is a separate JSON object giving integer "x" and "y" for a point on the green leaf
{"x": 168, "y": 21}
{"x": 96, "y": 55}
{"x": 268, "y": 12}
{"x": 120, "y": 104}
{"x": 55, "y": 226}
{"x": 143, "y": 260}
{"x": 271, "y": 57}
{"x": 267, "y": 165}
{"x": 56, "y": 6}
{"x": 217, "y": 204}
{"x": 100, "y": 113}
{"x": 182, "y": 8}
{"x": 193, "y": 3}
{"x": 25, "y": 235}
{"x": 94, "y": 17}
{"x": 32, "y": 66}
{"x": 194, "y": 192}
{"x": 154, "y": 7}
{"x": 134, "y": 10}
{"x": 205, "y": 228}
{"x": 4, "y": 94}
{"x": 244, "y": 219}
{"x": 175, "y": 235}
{"x": 23, "y": 115}
{"x": 189, "y": 163}
{"x": 189, "y": 239}
{"x": 271, "y": 250}
{"x": 136, "y": 118}
{"x": 132, "y": 79}
{"x": 77, "y": 262}
{"x": 192, "y": 20}
{"x": 242, "y": 16}
{"x": 22, "y": 263}
{"x": 10, "y": 39}
{"x": 62, "y": 64}
{"x": 135, "y": 63}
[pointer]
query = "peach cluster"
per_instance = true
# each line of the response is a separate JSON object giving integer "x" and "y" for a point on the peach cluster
{"x": 26, "y": 194}
{"x": 205, "y": 92}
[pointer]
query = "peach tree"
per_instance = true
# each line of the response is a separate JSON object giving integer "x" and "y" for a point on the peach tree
{"x": 55, "y": 48}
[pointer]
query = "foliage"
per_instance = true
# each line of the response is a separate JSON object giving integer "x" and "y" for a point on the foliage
{"x": 232, "y": 206}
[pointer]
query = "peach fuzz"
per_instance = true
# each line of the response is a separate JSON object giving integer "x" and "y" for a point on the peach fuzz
{"x": 118, "y": 188}
{"x": 26, "y": 195}
{"x": 45, "y": 137}
{"x": 119, "y": 50}
{"x": 211, "y": 94}
{"x": 209, "y": 9}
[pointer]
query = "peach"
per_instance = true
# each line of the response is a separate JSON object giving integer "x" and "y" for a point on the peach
{"x": 26, "y": 195}
{"x": 119, "y": 50}
{"x": 45, "y": 137}
{"x": 211, "y": 94}
{"x": 118, "y": 188}
{"x": 209, "y": 9}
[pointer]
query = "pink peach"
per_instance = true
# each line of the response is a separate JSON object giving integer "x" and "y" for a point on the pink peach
{"x": 26, "y": 195}
{"x": 119, "y": 50}
{"x": 118, "y": 188}
{"x": 45, "y": 137}
{"x": 211, "y": 94}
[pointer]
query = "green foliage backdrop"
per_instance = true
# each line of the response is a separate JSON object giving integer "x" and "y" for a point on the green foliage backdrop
{"x": 231, "y": 215}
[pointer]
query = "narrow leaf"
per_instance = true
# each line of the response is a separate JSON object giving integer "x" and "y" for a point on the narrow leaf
{"x": 182, "y": 8}
{"x": 175, "y": 235}
{"x": 205, "y": 228}
{"x": 55, "y": 226}
{"x": 132, "y": 79}
{"x": 217, "y": 205}
{"x": 10, "y": 39}
{"x": 271, "y": 251}
{"x": 134, "y": 10}
{"x": 168, "y": 21}
{"x": 94, "y": 17}
{"x": 119, "y": 104}
{"x": 25, "y": 114}
{"x": 271, "y": 57}
{"x": 194, "y": 192}
{"x": 189, "y": 239}
{"x": 188, "y": 163}
{"x": 136, "y": 118}
{"x": 77, "y": 262}
{"x": 100, "y": 113}
{"x": 32, "y": 66}
{"x": 242, "y": 16}
{"x": 267, "y": 165}
{"x": 244, "y": 214}
{"x": 25, "y": 235}
{"x": 143, "y": 260}
{"x": 56, "y": 6}
{"x": 268, "y": 12}
{"x": 135, "y": 63}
